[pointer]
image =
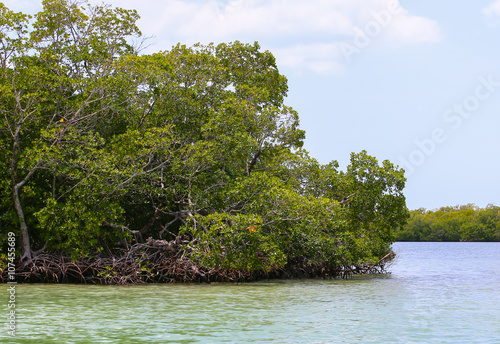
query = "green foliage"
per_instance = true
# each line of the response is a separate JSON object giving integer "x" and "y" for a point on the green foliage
{"x": 61, "y": 83}
{"x": 98, "y": 142}
{"x": 459, "y": 223}
{"x": 316, "y": 228}
{"x": 76, "y": 225}
{"x": 234, "y": 242}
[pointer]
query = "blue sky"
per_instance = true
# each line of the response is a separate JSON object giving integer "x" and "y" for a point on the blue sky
{"x": 415, "y": 82}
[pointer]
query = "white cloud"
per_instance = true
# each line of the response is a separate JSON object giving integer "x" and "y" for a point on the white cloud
{"x": 493, "y": 13}
{"x": 25, "y": 6}
{"x": 493, "y": 9}
{"x": 208, "y": 20}
{"x": 407, "y": 29}
{"x": 304, "y": 35}
{"x": 321, "y": 58}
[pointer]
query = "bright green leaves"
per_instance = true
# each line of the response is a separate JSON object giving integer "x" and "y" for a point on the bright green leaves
{"x": 61, "y": 90}
{"x": 88, "y": 182}
{"x": 79, "y": 224}
{"x": 373, "y": 202}
{"x": 84, "y": 41}
{"x": 315, "y": 213}
{"x": 300, "y": 226}
{"x": 458, "y": 223}
{"x": 13, "y": 35}
{"x": 234, "y": 242}
{"x": 249, "y": 70}
{"x": 377, "y": 192}
{"x": 141, "y": 150}
{"x": 206, "y": 91}
{"x": 225, "y": 106}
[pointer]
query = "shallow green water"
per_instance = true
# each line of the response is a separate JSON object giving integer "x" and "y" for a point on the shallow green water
{"x": 436, "y": 293}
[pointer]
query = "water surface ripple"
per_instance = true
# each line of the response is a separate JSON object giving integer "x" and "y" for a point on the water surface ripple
{"x": 436, "y": 293}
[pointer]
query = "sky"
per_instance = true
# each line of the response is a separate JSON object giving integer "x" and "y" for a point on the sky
{"x": 414, "y": 82}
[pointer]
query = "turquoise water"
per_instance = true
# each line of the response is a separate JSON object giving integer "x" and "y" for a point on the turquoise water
{"x": 436, "y": 293}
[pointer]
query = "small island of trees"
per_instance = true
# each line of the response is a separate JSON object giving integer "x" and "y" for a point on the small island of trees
{"x": 178, "y": 166}
{"x": 459, "y": 223}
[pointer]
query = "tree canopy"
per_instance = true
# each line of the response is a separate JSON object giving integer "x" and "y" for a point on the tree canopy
{"x": 459, "y": 223}
{"x": 102, "y": 146}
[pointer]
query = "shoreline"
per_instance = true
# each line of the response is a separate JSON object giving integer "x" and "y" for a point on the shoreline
{"x": 153, "y": 262}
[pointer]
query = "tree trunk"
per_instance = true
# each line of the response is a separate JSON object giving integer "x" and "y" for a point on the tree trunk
{"x": 25, "y": 237}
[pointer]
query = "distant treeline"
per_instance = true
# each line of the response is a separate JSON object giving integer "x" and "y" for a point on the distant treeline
{"x": 459, "y": 223}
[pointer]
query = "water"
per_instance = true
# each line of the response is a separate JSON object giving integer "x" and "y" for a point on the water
{"x": 436, "y": 293}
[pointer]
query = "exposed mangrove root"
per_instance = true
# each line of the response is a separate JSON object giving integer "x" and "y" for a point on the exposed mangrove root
{"x": 161, "y": 261}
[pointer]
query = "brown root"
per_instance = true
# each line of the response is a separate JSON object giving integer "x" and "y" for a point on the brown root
{"x": 161, "y": 261}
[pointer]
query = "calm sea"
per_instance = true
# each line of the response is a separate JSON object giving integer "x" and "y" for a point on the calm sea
{"x": 435, "y": 293}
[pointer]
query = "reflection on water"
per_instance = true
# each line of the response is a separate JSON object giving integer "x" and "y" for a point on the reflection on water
{"x": 437, "y": 293}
